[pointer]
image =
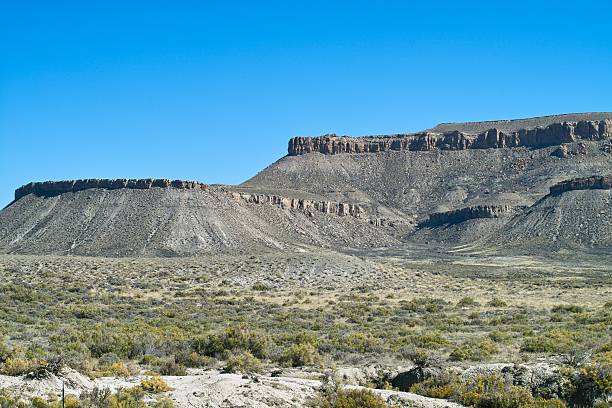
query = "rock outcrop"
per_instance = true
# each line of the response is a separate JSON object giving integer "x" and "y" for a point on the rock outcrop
{"x": 467, "y": 213}
{"x": 586, "y": 183}
{"x": 53, "y": 188}
{"x": 567, "y": 150}
{"x": 554, "y": 134}
{"x": 304, "y": 205}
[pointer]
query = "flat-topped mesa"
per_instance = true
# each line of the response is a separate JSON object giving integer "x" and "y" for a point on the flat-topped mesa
{"x": 467, "y": 213}
{"x": 586, "y": 183}
{"x": 304, "y": 205}
{"x": 554, "y": 134}
{"x": 53, "y": 188}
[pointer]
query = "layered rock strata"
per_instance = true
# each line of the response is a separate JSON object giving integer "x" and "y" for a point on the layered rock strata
{"x": 467, "y": 213}
{"x": 554, "y": 134}
{"x": 496, "y": 211}
{"x": 586, "y": 183}
{"x": 304, "y": 205}
{"x": 53, "y": 188}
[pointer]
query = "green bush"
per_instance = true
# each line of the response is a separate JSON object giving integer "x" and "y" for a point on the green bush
{"x": 430, "y": 341}
{"x": 421, "y": 357}
{"x": 261, "y": 287}
{"x": 359, "y": 343}
{"x": 485, "y": 391}
{"x": 474, "y": 351}
{"x": 500, "y": 337}
{"x": 298, "y": 355}
{"x": 593, "y": 381}
{"x": 552, "y": 341}
{"x": 467, "y": 301}
{"x": 548, "y": 403}
{"x": 422, "y": 305}
{"x": 359, "y": 398}
{"x": 567, "y": 309}
{"x": 497, "y": 302}
{"x": 5, "y": 352}
{"x": 243, "y": 362}
{"x": 16, "y": 366}
{"x": 172, "y": 368}
{"x": 233, "y": 338}
{"x": 194, "y": 360}
{"x": 96, "y": 398}
{"x": 155, "y": 385}
{"x": 132, "y": 398}
{"x": 164, "y": 403}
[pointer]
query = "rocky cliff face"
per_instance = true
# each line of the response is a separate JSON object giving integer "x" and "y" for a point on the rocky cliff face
{"x": 467, "y": 213}
{"x": 586, "y": 183}
{"x": 54, "y": 188}
{"x": 554, "y": 134}
{"x": 306, "y": 206}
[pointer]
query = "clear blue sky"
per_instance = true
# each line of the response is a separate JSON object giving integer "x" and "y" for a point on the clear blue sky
{"x": 213, "y": 90}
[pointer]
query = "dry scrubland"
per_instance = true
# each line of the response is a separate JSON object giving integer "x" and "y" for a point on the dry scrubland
{"x": 313, "y": 313}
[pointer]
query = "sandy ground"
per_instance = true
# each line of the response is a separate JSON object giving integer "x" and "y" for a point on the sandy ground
{"x": 211, "y": 389}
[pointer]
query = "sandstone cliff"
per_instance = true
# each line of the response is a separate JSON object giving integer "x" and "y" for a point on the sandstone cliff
{"x": 495, "y": 211}
{"x": 586, "y": 183}
{"x": 53, "y": 188}
{"x": 467, "y": 213}
{"x": 553, "y": 134}
{"x": 304, "y": 205}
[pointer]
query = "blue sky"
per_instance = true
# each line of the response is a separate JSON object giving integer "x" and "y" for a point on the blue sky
{"x": 212, "y": 91}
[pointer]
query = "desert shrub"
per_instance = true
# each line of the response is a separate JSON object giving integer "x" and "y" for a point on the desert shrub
{"x": 422, "y": 305}
{"x": 172, "y": 368}
{"x": 567, "y": 309}
{"x": 131, "y": 398}
{"x": 485, "y": 391}
{"x": 548, "y": 403}
{"x": 118, "y": 369}
{"x": 510, "y": 396}
{"x": 193, "y": 360}
{"x": 86, "y": 311}
{"x": 15, "y": 366}
{"x": 6, "y": 401}
{"x": 38, "y": 402}
{"x": 358, "y": 398}
{"x": 96, "y": 398}
{"x": 593, "y": 381}
{"x": 467, "y": 301}
{"x": 421, "y": 357}
{"x": 298, "y": 355}
{"x": 497, "y": 302}
{"x": 299, "y": 337}
{"x": 576, "y": 357}
{"x": 154, "y": 385}
{"x": 430, "y": 341}
{"x": 5, "y": 352}
{"x": 108, "y": 359}
{"x": 442, "y": 386}
{"x": 44, "y": 368}
{"x": 474, "y": 351}
{"x": 358, "y": 342}
{"x": 552, "y": 341}
{"x": 243, "y": 362}
{"x": 260, "y": 286}
{"x": 18, "y": 294}
{"x": 233, "y": 338}
{"x": 500, "y": 337}
{"x": 123, "y": 342}
{"x": 167, "y": 403}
